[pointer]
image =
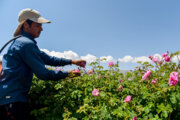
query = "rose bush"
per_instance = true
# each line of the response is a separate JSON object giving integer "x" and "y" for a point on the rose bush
{"x": 149, "y": 92}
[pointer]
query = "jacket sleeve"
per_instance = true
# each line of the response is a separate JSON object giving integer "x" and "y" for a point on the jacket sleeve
{"x": 54, "y": 61}
{"x": 31, "y": 55}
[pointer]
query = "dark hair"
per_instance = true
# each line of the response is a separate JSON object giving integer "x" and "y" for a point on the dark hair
{"x": 29, "y": 22}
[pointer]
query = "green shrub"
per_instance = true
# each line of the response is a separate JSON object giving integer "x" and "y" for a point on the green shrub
{"x": 72, "y": 98}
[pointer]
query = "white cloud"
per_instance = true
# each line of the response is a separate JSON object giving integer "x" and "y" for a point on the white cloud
{"x": 89, "y": 58}
{"x": 142, "y": 59}
{"x": 176, "y": 58}
{"x": 158, "y": 56}
{"x": 71, "y": 55}
{"x": 130, "y": 59}
{"x": 1, "y": 57}
{"x": 66, "y": 54}
{"x": 126, "y": 59}
{"x": 107, "y": 58}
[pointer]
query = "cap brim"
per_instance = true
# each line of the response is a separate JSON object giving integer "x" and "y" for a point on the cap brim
{"x": 40, "y": 20}
{"x": 18, "y": 30}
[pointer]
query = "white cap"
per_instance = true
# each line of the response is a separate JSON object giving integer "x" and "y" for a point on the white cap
{"x": 31, "y": 15}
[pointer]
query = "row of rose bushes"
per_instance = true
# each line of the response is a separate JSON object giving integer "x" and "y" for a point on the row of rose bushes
{"x": 149, "y": 92}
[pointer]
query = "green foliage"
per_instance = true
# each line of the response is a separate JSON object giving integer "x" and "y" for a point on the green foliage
{"x": 72, "y": 98}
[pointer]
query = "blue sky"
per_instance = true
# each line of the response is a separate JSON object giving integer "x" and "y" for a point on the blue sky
{"x": 121, "y": 29}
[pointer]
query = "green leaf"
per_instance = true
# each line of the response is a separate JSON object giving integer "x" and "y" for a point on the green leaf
{"x": 173, "y": 98}
{"x": 58, "y": 86}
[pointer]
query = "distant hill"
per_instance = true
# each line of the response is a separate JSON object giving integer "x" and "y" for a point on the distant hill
{"x": 124, "y": 71}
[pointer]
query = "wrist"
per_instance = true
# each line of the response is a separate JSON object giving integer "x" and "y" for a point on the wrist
{"x": 72, "y": 62}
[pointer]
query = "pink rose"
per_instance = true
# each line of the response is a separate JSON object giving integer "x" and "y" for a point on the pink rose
{"x": 120, "y": 80}
{"x": 173, "y": 80}
{"x": 83, "y": 64}
{"x": 95, "y": 92}
{"x": 120, "y": 88}
{"x": 148, "y": 72}
{"x": 77, "y": 70}
{"x": 111, "y": 64}
{"x": 134, "y": 118}
{"x": 164, "y": 55}
{"x": 146, "y": 75}
{"x": 155, "y": 60}
{"x": 167, "y": 59}
{"x": 154, "y": 81}
{"x": 128, "y": 99}
{"x": 150, "y": 57}
{"x": 174, "y": 74}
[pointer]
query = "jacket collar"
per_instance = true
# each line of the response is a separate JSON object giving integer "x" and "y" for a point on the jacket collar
{"x": 28, "y": 36}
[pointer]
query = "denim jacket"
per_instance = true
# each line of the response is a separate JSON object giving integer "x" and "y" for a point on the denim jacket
{"x": 22, "y": 59}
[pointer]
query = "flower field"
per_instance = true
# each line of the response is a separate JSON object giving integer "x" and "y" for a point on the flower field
{"x": 149, "y": 92}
